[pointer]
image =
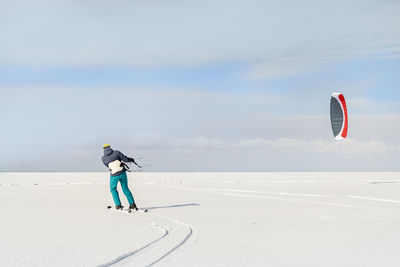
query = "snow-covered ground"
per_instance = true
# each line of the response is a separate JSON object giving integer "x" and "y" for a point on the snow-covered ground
{"x": 202, "y": 219}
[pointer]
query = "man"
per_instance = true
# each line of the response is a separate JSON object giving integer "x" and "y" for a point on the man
{"x": 114, "y": 160}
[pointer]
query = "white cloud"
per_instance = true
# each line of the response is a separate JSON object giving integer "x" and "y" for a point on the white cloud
{"x": 145, "y": 140}
{"x": 286, "y": 65}
{"x": 292, "y": 145}
{"x": 167, "y": 126}
{"x": 349, "y": 146}
{"x": 278, "y": 144}
{"x": 254, "y": 143}
{"x": 279, "y": 38}
{"x": 360, "y": 103}
{"x": 200, "y": 143}
{"x": 371, "y": 106}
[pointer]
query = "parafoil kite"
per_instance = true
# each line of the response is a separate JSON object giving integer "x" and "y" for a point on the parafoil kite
{"x": 339, "y": 118}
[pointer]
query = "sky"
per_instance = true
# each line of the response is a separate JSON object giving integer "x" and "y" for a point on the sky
{"x": 199, "y": 85}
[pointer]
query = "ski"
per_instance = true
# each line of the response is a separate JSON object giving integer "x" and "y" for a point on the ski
{"x": 120, "y": 210}
{"x": 139, "y": 210}
{"x": 143, "y": 210}
{"x": 127, "y": 210}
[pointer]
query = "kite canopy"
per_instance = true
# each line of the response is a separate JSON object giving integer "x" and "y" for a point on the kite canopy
{"x": 339, "y": 118}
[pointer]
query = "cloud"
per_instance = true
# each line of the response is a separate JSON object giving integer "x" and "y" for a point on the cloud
{"x": 287, "y": 65}
{"x": 145, "y": 140}
{"x": 352, "y": 146}
{"x": 349, "y": 147}
{"x": 278, "y": 144}
{"x": 371, "y": 106}
{"x": 178, "y": 129}
{"x": 274, "y": 38}
{"x": 361, "y": 103}
{"x": 200, "y": 143}
{"x": 151, "y": 141}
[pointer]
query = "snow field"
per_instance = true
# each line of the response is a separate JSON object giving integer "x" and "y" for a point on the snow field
{"x": 202, "y": 219}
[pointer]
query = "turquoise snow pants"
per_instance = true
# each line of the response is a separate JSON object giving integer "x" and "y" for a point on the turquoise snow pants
{"x": 123, "y": 179}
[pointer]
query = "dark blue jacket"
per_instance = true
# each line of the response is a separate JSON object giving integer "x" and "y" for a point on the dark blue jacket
{"x": 111, "y": 155}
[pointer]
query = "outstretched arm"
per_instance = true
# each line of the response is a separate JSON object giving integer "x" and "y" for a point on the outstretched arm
{"x": 127, "y": 159}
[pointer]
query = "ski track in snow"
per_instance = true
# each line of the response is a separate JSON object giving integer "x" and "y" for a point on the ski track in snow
{"x": 127, "y": 257}
{"x": 54, "y": 184}
{"x": 376, "y": 199}
{"x": 245, "y": 193}
{"x": 187, "y": 237}
{"x": 264, "y": 192}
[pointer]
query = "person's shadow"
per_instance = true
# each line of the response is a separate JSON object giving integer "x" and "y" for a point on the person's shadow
{"x": 172, "y": 206}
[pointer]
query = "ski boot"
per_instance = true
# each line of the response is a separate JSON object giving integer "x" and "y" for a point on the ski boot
{"x": 119, "y": 207}
{"x": 133, "y": 207}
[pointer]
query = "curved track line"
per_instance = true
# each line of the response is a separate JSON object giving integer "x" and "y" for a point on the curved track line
{"x": 263, "y": 192}
{"x": 375, "y": 199}
{"x": 166, "y": 232}
{"x": 226, "y": 192}
{"x": 187, "y": 237}
{"x": 126, "y": 255}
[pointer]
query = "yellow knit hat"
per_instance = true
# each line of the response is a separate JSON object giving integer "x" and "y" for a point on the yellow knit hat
{"x": 106, "y": 145}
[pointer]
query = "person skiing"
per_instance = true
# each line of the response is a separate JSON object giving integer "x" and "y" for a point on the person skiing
{"x": 114, "y": 160}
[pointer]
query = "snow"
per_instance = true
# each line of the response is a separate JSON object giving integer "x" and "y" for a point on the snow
{"x": 201, "y": 219}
